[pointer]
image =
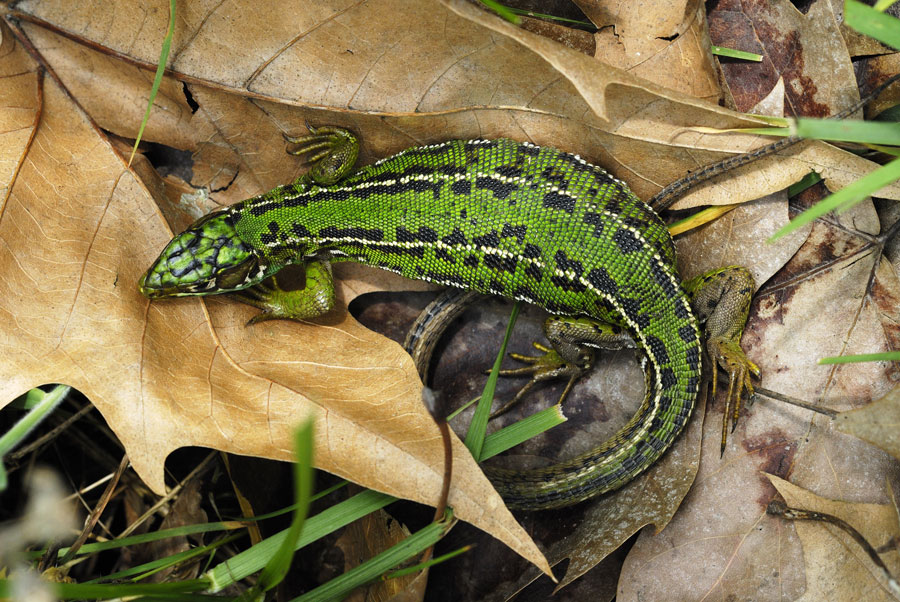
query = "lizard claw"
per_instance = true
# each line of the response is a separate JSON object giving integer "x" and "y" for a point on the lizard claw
{"x": 728, "y": 355}
{"x": 548, "y": 366}
{"x": 330, "y": 150}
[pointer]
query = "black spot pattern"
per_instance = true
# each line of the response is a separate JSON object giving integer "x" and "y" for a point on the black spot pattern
{"x": 500, "y": 188}
{"x": 564, "y": 263}
{"x": 353, "y": 233}
{"x": 509, "y": 171}
{"x": 444, "y": 255}
{"x": 463, "y": 187}
{"x": 533, "y": 271}
{"x": 658, "y": 349}
{"x": 455, "y": 238}
{"x": 300, "y": 231}
{"x": 603, "y": 282}
{"x": 501, "y": 262}
{"x": 627, "y": 241}
{"x": 688, "y": 334}
{"x": 424, "y": 234}
{"x": 518, "y": 231}
{"x": 561, "y": 202}
{"x": 667, "y": 378}
{"x": 663, "y": 279}
{"x": 566, "y": 284}
{"x": 597, "y": 221}
{"x": 489, "y": 240}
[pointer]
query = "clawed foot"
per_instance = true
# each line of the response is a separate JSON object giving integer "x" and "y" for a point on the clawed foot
{"x": 728, "y": 355}
{"x": 268, "y": 297}
{"x": 331, "y": 151}
{"x": 548, "y": 366}
{"x": 276, "y": 303}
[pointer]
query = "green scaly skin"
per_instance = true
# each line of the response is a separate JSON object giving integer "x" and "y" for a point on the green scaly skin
{"x": 493, "y": 216}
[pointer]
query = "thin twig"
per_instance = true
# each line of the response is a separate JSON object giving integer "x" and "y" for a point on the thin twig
{"x": 166, "y": 498}
{"x": 23, "y": 451}
{"x": 91, "y": 522}
{"x": 779, "y": 508}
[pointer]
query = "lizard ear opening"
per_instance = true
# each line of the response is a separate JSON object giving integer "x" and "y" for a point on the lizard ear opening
{"x": 238, "y": 275}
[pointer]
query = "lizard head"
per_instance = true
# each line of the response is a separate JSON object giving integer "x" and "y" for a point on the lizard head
{"x": 209, "y": 257}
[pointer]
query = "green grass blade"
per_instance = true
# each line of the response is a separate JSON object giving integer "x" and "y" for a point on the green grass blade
{"x": 21, "y": 429}
{"x": 842, "y": 130}
{"x": 157, "y": 79}
{"x": 502, "y": 11}
{"x": 736, "y": 54}
{"x": 424, "y": 565}
{"x": 846, "y": 197}
{"x": 546, "y": 17}
{"x": 142, "y": 571}
{"x": 101, "y": 546}
{"x": 28, "y": 400}
{"x": 74, "y": 591}
{"x": 478, "y": 427}
{"x": 372, "y": 569}
{"x": 808, "y": 181}
{"x": 781, "y": 131}
{"x": 278, "y": 565}
{"x": 887, "y": 356}
{"x": 522, "y": 430}
{"x": 873, "y": 23}
{"x": 249, "y": 561}
{"x": 849, "y": 130}
{"x": 145, "y": 570}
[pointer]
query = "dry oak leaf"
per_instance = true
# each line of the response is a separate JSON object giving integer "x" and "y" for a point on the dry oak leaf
{"x": 460, "y": 68}
{"x": 878, "y": 423}
{"x": 77, "y": 230}
{"x": 835, "y": 566}
{"x": 662, "y": 41}
{"x": 806, "y": 50}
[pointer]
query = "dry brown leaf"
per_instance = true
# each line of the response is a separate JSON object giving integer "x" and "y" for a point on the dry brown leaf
{"x": 878, "y": 423}
{"x": 804, "y": 50}
{"x": 874, "y": 71}
{"x": 836, "y": 568}
{"x": 740, "y": 237}
{"x": 858, "y": 44}
{"x": 371, "y": 535}
{"x": 661, "y": 41}
{"x": 635, "y": 129}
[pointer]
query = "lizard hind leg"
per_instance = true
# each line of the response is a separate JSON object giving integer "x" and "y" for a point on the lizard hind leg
{"x": 331, "y": 150}
{"x": 572, "y": 354}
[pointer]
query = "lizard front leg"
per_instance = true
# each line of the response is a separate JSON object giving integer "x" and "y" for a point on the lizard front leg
{"x": 721, "y": 300}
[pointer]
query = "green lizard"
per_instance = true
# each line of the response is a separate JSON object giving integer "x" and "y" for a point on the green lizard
{"x": 497, "y": 217}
